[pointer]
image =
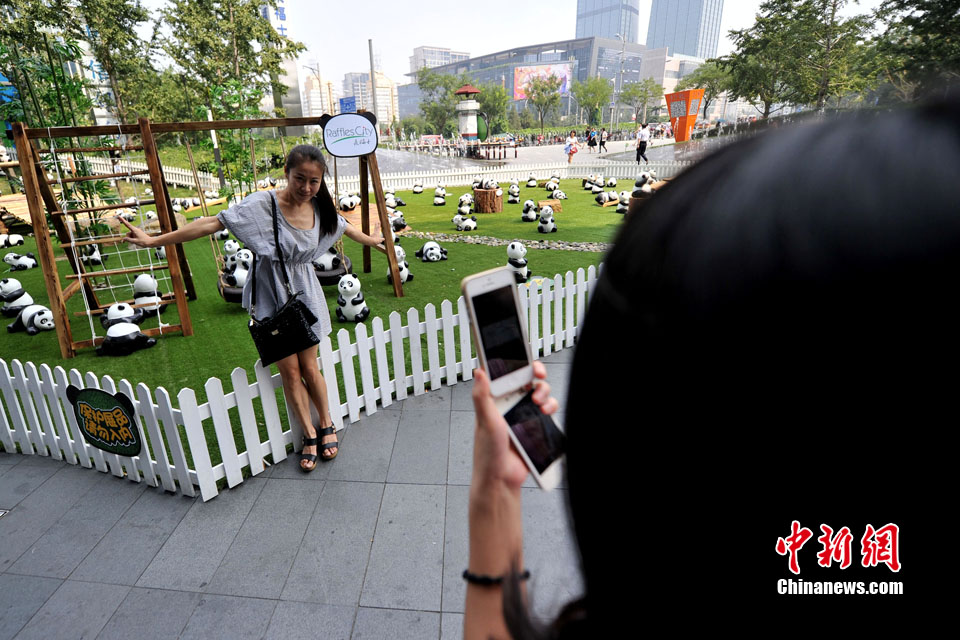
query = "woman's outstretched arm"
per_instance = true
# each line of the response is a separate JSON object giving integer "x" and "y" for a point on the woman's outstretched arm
{"x": 196, "y": 229}
{"x": 359, "y": 236}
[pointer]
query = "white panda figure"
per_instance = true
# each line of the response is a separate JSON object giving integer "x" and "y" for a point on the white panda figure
{"x": 611, "y": 183}
{"x": 351, "y": 306}
{"x": 555, "y": 175}
{"x": 210, "y": 194}
{"x": 90, "y": 254}
{"x": 588, "y": 182}
{"x": 477, "y": 181}
{"x": 530, "y": 213}
{"x": 132, "y": 200}
{"x": 490, "y": 183}
{"x": 328, "y": 261}
{"x": 464, "y": 210}
{"x": 123, "y": 339}
{"x": 515, "y": 182}
{"x": 127, "y": 214}
{"x": 513, "y": 194}
{"x": 402, "y": 266}
{"x": 145, "y": 293}
{"x": 531, "y": 180}
{"x": 547, "y": 223}
{"x": 152, "y": 215}
{"x": 439, "y": 199}
{"x": 516, "y": 261}
{"x": 223, "y": 234}
{"x": 12, "y": 240}
{"x": 431, "y": 252}
{"x": 463, "y": 223}
{"x": 390, "y": 190}
{"x": 230, "y": 247}
{"x": 121, "y": 312}
{"x": 418, "y": 186}
{"x": 642, "y": 179}
{"x": 443, "y": 187}
{"x": 597, "y": 189}
{"x": 624, "y": 202}
{"x": 15, "y": 298}
{"x": 18, "y": 262}
{"x": 176, "y": 209}
{"x": 241, "y": 269}
{"x": 33, "y": 319}
{"x": 602, "y": 198}
{"x": 346, "y": 203}
{"x": 148, "y": 191}
{"x": 390, "y": 201}
{"x": 397, "y": 221}
{"x": 195, "y": 202}
{"x": 612, "y": 196}
{"x": 551, "y": 186}
{"x": 400, "y": 201}
{"x": 559, "y": 195}
{"x": 499, "y": 192}
{"x": 653, "y": 174}
{"x": 465, "y": 199}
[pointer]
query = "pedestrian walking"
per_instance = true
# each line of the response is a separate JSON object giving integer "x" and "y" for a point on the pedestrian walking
{"x": 643, "y": 137}
{"x": 603, "y": 140}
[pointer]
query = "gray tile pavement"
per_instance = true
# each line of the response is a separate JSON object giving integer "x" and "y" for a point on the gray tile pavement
{"x": 370, "y": 545}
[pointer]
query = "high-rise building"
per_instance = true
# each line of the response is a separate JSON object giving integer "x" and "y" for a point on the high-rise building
{"x": 358, "y": 86}
{"x": 434, "y": 57}
{"x": 287, "y": 99}
{"x": 607, "y": 18}
{"x": 685, "y": 27}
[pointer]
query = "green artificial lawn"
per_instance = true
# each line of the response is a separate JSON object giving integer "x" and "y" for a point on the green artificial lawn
{"x": 221, "y": 340}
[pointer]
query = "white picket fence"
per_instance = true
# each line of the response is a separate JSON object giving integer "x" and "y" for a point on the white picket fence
{"x": 174, "y": 175}
{"x": 37, "y": 419}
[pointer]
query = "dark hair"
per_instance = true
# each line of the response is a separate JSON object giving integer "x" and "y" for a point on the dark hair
{"x": 324, "y": 201}
{"x": 769, "y": 304}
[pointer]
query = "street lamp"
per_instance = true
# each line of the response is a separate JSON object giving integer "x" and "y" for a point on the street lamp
{"x": 623, "y": 51}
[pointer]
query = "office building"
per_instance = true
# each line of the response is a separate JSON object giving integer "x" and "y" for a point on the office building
{"x": 434, "y": 57}
{"x": 358, "y": 86}
{"x": 685, "y": 27}
{"x": 287, "y": 100}
{"x": 607, "y": 18}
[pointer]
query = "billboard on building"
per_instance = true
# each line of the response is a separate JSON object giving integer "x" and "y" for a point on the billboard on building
{"x": 523, "y": 75}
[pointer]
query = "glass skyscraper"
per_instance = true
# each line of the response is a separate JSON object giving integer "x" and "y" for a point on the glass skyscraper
{"x": 607, "y": 18}
{"x": 686, "y": 27}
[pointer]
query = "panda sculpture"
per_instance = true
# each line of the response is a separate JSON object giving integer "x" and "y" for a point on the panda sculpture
{"x": 463, "y": 223}
{"x": 90, "y": 254}
{"x": 443, "y": 187}
{"x": 127, "y": 214}
{"x": 642, "y": 191}
{"x": 11, "y": 240}
{"x": 15, "y": 298}
{"x": 400, "y": 201}
{"x": 402, "y": 266}
{"x": 624, "y": 202}
{"x": 238, "y": 276}
{"x": 431, "y": 252}
{"x": 611, "y": 183}
{"x": 588, "y": 182}
{"x": 602, "y": 198}
{"x": 490, "y": 183}
{"x": 418, "y": 186}
{"x": 477, "y": 181}
{"x": 18, "y": 262}
{"x": 530, "y": 213}
{"x": 397, "y": 221}
{"x": 547, "y": 223}
{"x": 123, "y": 339}
{"x": 558, "y": 195}
{"x": 230, "y": 247}
{"x": 513, "y": 194}
{"x": 145, "y": 293}
{"x": 390, "y": 201}
{"x": 597, "y": 189}
{"x": 33, "y": 319}
{"x": 121, "y": 312}
{"x": 351, "y": 307}
{"x": 439, "y": 197}
{"x": 223, "y": 234}
{"x": 464, "y": 210}
{"x": 328, "y": 261}
{"x": 531, "y": 180}
{"x": 516, "y": 261}
{"x": 555, "y": 175}
{"x": 466, "y": 199}
{"x": 551, "y": 186}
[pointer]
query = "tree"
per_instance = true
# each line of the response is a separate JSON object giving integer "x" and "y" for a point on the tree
{"x": 592, "y": 95}
{"x": 439, "y": 104}
{"x": 544, "y": 94}
{"x": 112, "y": 35}
{"x": 527, "y": 121}
{"x": 711, "y": 77}
{"x": 641, "y": 94}
{"x": 919, "y": 46}
{"x": 493, "y": 101}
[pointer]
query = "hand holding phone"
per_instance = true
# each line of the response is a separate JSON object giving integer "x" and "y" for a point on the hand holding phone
{"x": 504, "y": 353}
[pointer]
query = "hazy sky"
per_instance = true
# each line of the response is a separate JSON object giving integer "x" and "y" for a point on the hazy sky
{"x": 336, "y": 33}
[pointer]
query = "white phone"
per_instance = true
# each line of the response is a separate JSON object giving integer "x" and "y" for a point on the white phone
{"x": 504, "y": 352}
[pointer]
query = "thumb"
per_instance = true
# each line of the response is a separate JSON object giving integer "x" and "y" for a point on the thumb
{"x": 483, "y": 404}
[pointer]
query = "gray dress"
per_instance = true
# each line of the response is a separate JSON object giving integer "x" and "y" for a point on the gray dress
{"x": 250, "y": 221}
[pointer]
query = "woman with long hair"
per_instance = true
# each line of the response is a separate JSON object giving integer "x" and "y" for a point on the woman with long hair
{"x": 308, "y": 225}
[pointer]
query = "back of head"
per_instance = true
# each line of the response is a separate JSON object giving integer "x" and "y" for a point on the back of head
{"x": 786, "y": 301}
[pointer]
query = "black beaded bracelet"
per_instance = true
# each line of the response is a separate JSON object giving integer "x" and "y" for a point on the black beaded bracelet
{"x": 489, "y": 581}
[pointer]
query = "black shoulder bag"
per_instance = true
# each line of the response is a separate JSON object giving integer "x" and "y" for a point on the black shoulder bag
{"x": 290, "y": 330}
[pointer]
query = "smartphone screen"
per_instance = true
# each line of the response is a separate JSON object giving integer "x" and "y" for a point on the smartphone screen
{"x": 503, "y": 345}
{"x": 537, "y": 433}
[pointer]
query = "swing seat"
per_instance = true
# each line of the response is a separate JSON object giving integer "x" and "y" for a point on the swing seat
{"x": 228, "y": 292}
{"x": 332, "y": 277}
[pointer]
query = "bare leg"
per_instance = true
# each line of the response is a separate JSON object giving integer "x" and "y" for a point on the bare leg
{"x": 299, "y": 400}
{"x": 316, "y": 387}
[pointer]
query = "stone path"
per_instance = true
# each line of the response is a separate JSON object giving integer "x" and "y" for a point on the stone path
{"x": 370, "y": 545}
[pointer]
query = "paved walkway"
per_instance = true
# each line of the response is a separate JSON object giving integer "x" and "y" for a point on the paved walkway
{"x": 554, "y": 153}
{"x": 370, "y": 545}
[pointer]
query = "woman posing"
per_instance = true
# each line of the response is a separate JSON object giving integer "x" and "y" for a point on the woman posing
{"x": 308, "y": 225}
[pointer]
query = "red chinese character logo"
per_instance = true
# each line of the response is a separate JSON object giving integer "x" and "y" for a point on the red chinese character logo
{"x": 793, "y": 544}
{"x": 835, "y": 547}
{"x": 881, "y": 546}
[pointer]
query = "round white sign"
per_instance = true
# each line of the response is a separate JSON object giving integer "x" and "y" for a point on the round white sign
{"x": 349, "y": 135}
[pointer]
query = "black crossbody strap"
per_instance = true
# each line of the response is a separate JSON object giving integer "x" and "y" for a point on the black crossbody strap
{"x": 276, "y": 241}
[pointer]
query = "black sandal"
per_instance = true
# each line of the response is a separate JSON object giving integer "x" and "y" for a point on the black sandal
{"x": 322, "y": 433}
{"x": 309, "y": 457}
